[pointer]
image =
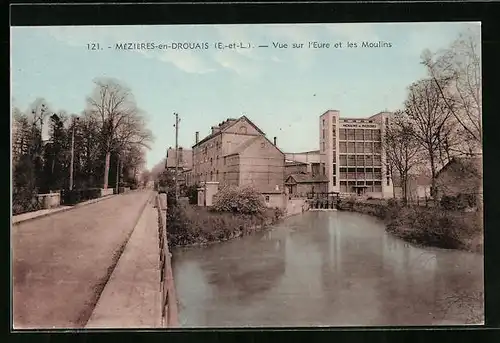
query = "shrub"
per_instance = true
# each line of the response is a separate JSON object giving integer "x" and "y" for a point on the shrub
{"x": 192, "y": 194}
{"x": 244, "y": 200}
{"x": 452, "y": 203}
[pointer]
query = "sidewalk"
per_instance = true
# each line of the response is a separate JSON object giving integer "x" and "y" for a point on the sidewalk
{"x": 131, "y": 298}
{"x": 42, "y": 213}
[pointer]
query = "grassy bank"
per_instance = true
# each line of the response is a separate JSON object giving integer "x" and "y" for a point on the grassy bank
{"x": 191, "y": 224}
{"x": 432, "y": 226}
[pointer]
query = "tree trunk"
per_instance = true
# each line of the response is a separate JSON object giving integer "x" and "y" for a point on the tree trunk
{"x": 106, "y": 170}
{"x": 433, "y": 176}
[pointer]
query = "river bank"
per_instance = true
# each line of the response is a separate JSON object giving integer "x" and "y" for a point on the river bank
{"x": 426, "y": 226}
{"x": 191, "y": 225}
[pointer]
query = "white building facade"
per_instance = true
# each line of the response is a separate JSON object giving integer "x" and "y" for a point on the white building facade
{"x": 352, "y": 153}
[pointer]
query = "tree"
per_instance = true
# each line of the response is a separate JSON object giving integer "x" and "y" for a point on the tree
{"x": 456, "y": 72}
{"x": 402, "y": 149}
{"x": 113, "y": 106}
{"x": 429, "y": 117}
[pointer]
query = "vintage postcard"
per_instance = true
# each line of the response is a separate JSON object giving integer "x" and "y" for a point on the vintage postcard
{"x": 222, "y": 176}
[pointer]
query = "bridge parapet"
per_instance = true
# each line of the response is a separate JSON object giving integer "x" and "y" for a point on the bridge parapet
{"x": 169, "y": 312}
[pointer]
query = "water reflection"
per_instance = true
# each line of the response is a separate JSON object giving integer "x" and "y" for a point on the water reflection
{"x": 330, "y": 269}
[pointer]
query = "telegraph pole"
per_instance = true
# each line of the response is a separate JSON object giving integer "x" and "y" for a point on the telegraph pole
{"x": 177, "y": 120}
{"x": 72, "y": 155}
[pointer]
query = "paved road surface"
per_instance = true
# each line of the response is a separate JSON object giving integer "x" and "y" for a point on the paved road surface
{"x": 61, "y": 262}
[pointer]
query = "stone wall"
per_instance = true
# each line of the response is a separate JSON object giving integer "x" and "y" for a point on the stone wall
{"x": 49, "y": 200}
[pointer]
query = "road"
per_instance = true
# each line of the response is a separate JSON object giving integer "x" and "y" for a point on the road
{"x": 61, "y": 262}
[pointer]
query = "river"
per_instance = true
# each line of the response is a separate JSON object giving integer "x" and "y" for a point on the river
{"x": 326, "y": 269}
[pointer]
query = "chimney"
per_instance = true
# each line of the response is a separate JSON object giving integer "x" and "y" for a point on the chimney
{"x": 197, "y": 139}
{"x": 275, "y": 141}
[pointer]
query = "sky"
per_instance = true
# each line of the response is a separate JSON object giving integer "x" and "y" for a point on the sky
{"x": 282, "y": 90}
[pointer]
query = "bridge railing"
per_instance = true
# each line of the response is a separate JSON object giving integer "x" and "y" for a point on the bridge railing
{"x": 167, "y": 287}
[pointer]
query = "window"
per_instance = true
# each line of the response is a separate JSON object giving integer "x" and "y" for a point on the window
{"x": 342, "y": 134}
{"x": 211, "y": 161}
{"x": 350, "y": 147}
{"x": 343, "y": 147}
{"x": 334, "y": 169}
{"x": 359, "y": 134}
{"x": 225, "y": 160}
{"x": 360, "y": 160}
{"x": 376, "y": 135}
{"x": 323, "y": 146}
{"x": 368, "y": 147}
{"x": 351, "y": 160}
{"x": 323, "y": 122}
{"x": 359, "y": 147}
{"x": 343, "y": 186}
{"x": 324, "y": 170}
{"x": 217, "y": 176}
{"x": 350, "y": 134}
{"x": 368, "y": 160}
{"x": 388, "y": 182}
{"x": 334, "y": 180}
{"x": 334, "y": 158}
{"x": 267, "y": 198}
{"x": 377, "y": 147}
{"x": 368, "y": 135}
{"x": 386, "y": 121}
{"x": 243, "y": 129}
{"x": 323, "y": 133}
{"x": 343, "y": 160}
{"x": 376, "y": 160}
{"x": 334, "y": 131}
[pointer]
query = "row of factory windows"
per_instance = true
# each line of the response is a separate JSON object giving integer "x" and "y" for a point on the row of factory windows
{"x": 349, "y": 187}
{"x": 359, "y": 134}
{"x": 356, "y": 147}
{"x": 358, "y": 160}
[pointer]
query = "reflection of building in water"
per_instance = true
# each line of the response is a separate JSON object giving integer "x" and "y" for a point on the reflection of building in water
{"x": 258, "y": 268}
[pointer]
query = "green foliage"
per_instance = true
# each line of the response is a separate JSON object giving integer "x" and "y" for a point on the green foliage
{"x": 244, "y": 200}
{"x": 459, "y": 202}
{"x": 192, "y": 193}
{"x": 198, "y": 225}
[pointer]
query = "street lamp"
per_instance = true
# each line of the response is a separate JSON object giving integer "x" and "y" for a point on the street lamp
{"x": 75, "y": 120}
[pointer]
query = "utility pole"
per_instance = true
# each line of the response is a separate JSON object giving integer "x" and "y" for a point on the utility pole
{"x": 177, "y": 120}
{"x": 117, "y": 173}
{"x": 72, "y": 155}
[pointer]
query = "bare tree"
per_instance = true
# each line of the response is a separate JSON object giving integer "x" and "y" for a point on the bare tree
{"x": 456, "y": 72}
{"x": 402, "y": 149}
{"x": 429, "y": 116}
{"x": 114, "y": 107}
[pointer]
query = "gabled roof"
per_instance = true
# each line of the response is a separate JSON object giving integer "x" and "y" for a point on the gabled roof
{"x": 248, "y": 143}
{"x": 472, "y": 163}
{"x": 307, "y": 178}
{"x": 224, "y": 127}
{"x": 295, "y": 163}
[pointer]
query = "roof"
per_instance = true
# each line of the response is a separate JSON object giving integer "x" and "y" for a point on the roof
{"x": 308, "y": 178}
{"x": 248, "y": 143}
{"x": 473, "y": 164}
{"x": 245, "y": 145}
{"x": 304, "y": 152}
{"x": 230, "y": 122}
{"x": 187, "y": 158}
{"x": 295, "y": 163}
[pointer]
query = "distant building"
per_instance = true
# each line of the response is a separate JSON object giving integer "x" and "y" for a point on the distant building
{"x": 300, "y": 185}
{"x": 352, "y": 153}
{"x": 238, "y": 153}
{"x": 185, "y": 159}
{"x": 418, "y": 187}
{"x": 462, "y": 175}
